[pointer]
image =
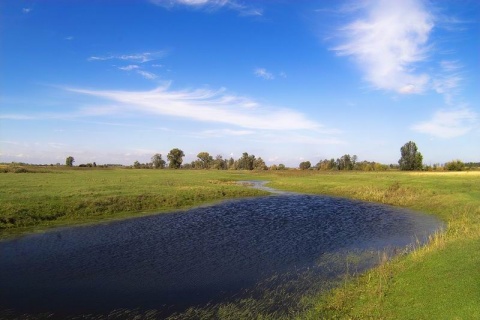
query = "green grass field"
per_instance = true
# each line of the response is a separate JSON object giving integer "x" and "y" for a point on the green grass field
{"x": 438, "y": 281}
{"x": 48, "y": 198}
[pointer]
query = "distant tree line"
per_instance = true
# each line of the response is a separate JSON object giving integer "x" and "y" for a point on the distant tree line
{"x": 410, "y": 159}
{"x": 205, "y": 161}
{"x": 347, "y": 162}
{"x": 247, "y": 161}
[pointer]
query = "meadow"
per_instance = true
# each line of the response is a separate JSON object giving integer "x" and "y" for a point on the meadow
{"x": 39, "y": 198}
{"x": 439, "y": 280}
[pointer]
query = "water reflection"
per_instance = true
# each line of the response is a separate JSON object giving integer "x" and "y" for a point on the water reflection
{"x": 208, "y": 254}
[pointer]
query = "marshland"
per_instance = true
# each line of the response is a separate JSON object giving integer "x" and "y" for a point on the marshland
{"x": 436, "y": 275}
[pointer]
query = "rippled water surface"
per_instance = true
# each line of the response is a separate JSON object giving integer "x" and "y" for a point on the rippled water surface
{"x": 207, "y": 254}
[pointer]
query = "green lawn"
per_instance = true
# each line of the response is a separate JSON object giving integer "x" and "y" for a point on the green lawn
{"x": 439, "y": 281}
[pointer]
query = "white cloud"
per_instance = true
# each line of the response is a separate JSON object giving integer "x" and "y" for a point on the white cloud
{"x": 26, "y": 10}
{"x": 130, "y": 67}
{"x": 263, "y": 73}
{"x": 211, "y": 4}
{"x": 137, "y": 57}
{"x": 93, "y": 111}
{"x": 15, "y": 117}
{"x": 388, "y": 41}
{"x": 56, "y": 145}
{"x": 69, "y": 38}
{"x": 449, "y": 65}
{"x": 96, "y": 58}
{"x": 227, "y": 132}
{"x": 207, "y": 105}
{"x": 448, "y": 124}
{"x": 147, "y": 75}
{"x": 137, "y": 69}
{"x": 448, "y": 80}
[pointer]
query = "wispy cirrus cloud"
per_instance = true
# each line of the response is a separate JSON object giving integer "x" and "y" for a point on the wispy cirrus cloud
{"x": 388, "y": 41}
{"x": 448, "y": 80}
{"x": 136, "y": 57}
{"x": 267, "y": 75}
{"x": 14, "y": 116}
{"x": 449, "y": 123}
{"x": 147, "y": 75}
{"x": 263, "y": 73}
{"x": 130, "y": 67}
{"x": 140, "y": 58}
{"x": 247, "y": 10}
{"x": 208, "y": 106}
{"x": 226, "y": 132}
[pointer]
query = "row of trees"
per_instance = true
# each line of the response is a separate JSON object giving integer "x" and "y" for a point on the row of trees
{"x": 175, "y": 158}
{"x": 206, "y": 161}
{"x": 411, "y": 159}
{"x": 250, "y": 162}
{"x": 346, "y": 162}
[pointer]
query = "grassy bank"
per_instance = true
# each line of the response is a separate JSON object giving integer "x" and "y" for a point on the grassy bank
{"x": 35, "y": 199}
{"x": 439, "y": 281}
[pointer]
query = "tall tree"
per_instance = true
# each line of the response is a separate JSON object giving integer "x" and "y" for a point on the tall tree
{"x": 354, "y": 161}
{"x": 157, "y": 161}
{"x": 219, "y": 163}
{"x": 259, "y": 164}
{"x": 346, "y": 162}
{"x": 410, "y": 159}
{"x": 246, "y": 162}
{"x": 204, "y": 160}
{"x": 305, "y": 165}
{"x": 175, "y": 158}
{"x": 137, "y": 164}
{"x": 231, "y": 163}
{"x": 69, "y": 161}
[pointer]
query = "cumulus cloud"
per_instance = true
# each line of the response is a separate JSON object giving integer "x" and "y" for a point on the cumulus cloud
{"x": 263, "y": 73}
{"x": 211, "y": 4}
{"x": 388, "y": 41}
{"x": 206, "y": 105}
{"x": 449, "y": 123}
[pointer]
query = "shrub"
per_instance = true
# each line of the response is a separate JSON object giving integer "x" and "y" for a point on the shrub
{"x": 455, "y": 165}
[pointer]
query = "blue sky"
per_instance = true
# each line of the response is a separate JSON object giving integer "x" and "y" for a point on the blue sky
{"x": 289, "y": 81}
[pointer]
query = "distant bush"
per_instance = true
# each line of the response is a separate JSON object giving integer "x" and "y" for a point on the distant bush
{"x": 455, "y": 165}
{"x": 21, "y": 169}
{"x": 305, "y": 165}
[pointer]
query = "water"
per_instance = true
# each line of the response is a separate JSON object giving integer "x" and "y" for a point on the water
{"x": 208, "y": 254}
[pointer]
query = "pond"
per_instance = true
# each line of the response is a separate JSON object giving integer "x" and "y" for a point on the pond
{"x": 204, "y": 255}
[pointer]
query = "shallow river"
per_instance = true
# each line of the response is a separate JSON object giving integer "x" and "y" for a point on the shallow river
{"x": 207, "y": 254}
